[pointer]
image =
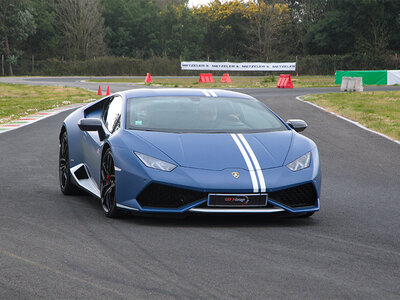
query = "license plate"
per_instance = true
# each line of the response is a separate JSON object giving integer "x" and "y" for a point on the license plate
{"x": 242, "y": 200}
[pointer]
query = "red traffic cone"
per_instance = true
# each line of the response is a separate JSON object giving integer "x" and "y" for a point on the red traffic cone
{"x": 288, "y": 84}
{"x": 201, "y": 78}
{"x": 99, "y": 93}
{"x": 280, "y": 81}
{"x": 108, "y": 91}
{"x": 148, "y": 78}
{"x": 285, "y": 82}
{"x": 225, "y": 78}
{"x": 228, "y": 78}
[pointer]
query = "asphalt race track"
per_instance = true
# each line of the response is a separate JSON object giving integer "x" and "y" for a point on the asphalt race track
{"x": 59, "y": 247}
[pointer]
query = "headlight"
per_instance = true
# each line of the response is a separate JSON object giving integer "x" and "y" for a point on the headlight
{"x": 301, "y": 163}
{"x": 155, "y": 163}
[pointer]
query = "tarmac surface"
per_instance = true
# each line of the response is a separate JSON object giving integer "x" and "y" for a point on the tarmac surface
{"x": 60, "y": 247}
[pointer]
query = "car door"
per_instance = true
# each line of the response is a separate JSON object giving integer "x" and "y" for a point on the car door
{"x": 111, "y": 115}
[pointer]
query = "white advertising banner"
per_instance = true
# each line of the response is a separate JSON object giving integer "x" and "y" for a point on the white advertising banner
{"x": 393, "y": 77}
{"x": 244, "y": 66}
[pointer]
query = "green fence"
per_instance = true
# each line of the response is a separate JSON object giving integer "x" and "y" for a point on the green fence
{"x": 368, "y": 77}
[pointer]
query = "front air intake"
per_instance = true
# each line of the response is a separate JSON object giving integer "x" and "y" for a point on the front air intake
{"x": 295, "y": 197}
{"x": 162, "y": 196}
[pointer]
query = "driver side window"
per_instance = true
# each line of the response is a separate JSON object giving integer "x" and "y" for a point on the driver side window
{"x": 112, "y": 114}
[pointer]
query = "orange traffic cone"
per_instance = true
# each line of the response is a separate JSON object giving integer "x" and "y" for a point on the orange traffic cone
{"x": 148, "y": 78}
{"x": 99, "y": 93}
{"x": 108, "y": 91}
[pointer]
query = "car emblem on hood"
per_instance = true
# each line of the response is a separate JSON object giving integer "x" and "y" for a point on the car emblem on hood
{"x": 236, "y": 174}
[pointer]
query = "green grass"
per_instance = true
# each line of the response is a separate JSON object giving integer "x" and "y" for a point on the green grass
{"x": 379, "y": 111}
{"x": 17, "y": 100}
{"x": 237, "y": 82}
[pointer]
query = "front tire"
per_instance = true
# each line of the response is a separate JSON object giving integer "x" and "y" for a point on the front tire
{"x": 108, "y": 187}
{"x": 64, "y": 174}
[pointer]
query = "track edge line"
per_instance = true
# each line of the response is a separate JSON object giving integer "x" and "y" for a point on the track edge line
{"x": 348, "y": 120}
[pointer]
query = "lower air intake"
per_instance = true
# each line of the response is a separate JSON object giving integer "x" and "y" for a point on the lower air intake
{"x": 295, "y": 197}
{"x": 162, "y": 196}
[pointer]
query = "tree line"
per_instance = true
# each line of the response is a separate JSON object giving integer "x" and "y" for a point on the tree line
{"x": 235, "y": 30}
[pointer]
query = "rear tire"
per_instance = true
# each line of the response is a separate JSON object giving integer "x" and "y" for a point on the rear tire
{"x": 64, "y": 174}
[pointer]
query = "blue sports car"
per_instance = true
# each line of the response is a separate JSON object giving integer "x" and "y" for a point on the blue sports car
{"x": 188, "y": 150}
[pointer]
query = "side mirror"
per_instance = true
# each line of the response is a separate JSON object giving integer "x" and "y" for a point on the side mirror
{"x": 297, "y": 125}
{"x": 92, "y": 124}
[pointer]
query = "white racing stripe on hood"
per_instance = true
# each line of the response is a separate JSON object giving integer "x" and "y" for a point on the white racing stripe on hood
{"x": 212, "y": 93}
{"x": 248, "y": 163}
{"x": 255, "y": 162}
{"x": 209, "y": 93}
{"x": 206, "y": 93}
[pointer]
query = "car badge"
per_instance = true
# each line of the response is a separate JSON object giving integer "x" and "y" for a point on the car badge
{"x": 236, "y": 174}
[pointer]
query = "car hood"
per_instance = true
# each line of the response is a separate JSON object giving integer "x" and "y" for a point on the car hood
{"x": 218, "y": 151}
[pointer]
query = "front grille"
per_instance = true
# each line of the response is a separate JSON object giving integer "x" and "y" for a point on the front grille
{"x": 162, "y": 196}
{"x": 298, "y": 196}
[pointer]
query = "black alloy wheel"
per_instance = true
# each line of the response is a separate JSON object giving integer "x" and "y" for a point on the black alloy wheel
{"x": 66, "y": 185}
{"x": 108, "y": 199}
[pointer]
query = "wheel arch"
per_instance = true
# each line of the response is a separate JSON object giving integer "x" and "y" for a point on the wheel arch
{"x": 114, "y": 211}
{"x": 62, "y": 130}
{"x": 106, "y": 146}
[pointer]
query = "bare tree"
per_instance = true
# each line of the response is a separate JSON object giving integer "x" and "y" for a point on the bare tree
{"x": 267, "y": 21}
{"x": 375, "y": 40}
{"x": 82, "y": 26}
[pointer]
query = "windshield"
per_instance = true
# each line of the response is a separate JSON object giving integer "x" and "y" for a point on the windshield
{"x": 200, "y": 114}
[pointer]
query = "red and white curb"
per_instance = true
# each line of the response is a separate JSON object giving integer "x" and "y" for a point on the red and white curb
{"x": 348, "y": 120}
{"x": 27, "y": 120}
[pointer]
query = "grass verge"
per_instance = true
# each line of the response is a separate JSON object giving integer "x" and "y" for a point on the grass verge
{"x": 379, "y": 111}
{"x": 18, "y": 100}
{"x": 237, "y": 82}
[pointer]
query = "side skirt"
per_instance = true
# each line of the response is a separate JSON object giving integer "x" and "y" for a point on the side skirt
{"x": 83, "y": 180}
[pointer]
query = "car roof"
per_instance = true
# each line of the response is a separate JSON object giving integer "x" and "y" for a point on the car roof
{"x": 183, "y": 92}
